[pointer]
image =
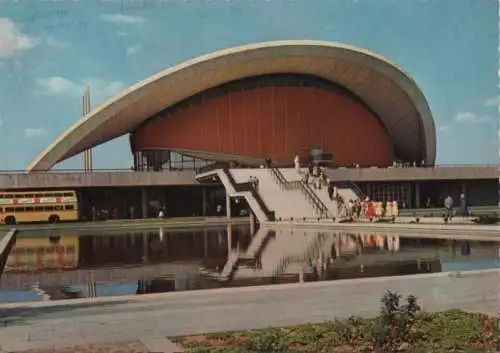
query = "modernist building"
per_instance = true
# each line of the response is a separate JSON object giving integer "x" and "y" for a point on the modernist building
{"x": 270, "y": 101}
{"x": 266, "y": 100}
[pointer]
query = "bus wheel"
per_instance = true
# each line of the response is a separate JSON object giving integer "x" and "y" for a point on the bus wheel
{"x": 10, "y": 220}
{"x": 53, "y": 218}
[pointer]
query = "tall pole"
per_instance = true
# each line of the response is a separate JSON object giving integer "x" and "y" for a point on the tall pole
{"x": 87, "y": 154}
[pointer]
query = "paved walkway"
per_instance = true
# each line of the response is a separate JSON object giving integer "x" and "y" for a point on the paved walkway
{"x": 50, "y": 324}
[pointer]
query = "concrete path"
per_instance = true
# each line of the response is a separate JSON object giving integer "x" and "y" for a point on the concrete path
{"x": 83, "y": 321}
{"x": 448, "y": 230}
{"x": 180, "y": 222}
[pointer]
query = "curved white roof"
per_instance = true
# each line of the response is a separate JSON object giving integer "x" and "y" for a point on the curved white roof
{"x": 385, "y": 87}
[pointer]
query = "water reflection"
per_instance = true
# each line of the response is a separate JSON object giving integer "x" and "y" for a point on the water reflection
{"x": 64, "y": 265}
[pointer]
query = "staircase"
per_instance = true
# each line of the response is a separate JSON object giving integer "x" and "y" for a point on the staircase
{"x": 287, "y": 204}
{"x": 242, "y": 189}
{"x": 349, "y": 190}
{"x": 319, "y": 206}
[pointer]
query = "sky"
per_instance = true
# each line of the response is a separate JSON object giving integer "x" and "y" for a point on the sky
{"x": 50, "y": 51}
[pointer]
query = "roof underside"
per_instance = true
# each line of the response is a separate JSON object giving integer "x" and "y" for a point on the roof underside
{"x": 391, "y": 93}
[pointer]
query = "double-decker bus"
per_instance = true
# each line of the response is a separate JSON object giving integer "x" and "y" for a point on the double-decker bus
{"x": 38, "y": 206}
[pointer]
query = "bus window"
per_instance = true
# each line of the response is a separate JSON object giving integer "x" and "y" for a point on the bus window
{"x": 50, "y": 250}
{"x": 68, "y": 194}
{"x": 59, "y": 208}
{"x": 9, "y": 196}
{"x": 49, "y": 208}
{"x": 29, "y": 196}
{"x": 29, "y": 209}
{"x": 18, "y": 209}
{"x": 38, "y": 195}
{"x": 9, "y": 209}
{"x": 69, "y": 207}
{"x": 39, "y": 209}
{"x": 50, "y": 194}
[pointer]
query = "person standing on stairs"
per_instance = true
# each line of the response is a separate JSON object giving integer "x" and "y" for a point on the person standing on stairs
{"x": 296, "y": 162}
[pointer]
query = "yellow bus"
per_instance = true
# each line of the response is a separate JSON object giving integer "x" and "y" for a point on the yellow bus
{"x": 38, "y": 206}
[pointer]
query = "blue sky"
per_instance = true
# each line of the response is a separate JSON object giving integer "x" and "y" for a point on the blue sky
{"x": 49, "y": 51}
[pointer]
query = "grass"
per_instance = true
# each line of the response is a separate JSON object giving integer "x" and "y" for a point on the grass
{"x": 398, "y": 328}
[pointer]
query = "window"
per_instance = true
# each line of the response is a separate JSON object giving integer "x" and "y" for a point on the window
{"x": 10, "y": 209}
{"x": 59, "y": 208}
{"x": 68, "y": 194}
{"x": 38, "y": 195}
{"x": 69, "y": 207}
{"x": 50, "y": 250}
{"x": 8, "y": 196}
{"x": 39, "y": 209}
{"x": 29, "y": 209}
{"x": 49, "y": 208}
{"x": 18, "y": 209}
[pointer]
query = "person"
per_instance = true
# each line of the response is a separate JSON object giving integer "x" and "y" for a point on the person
{"x": 448, "y": 206}
{"x": 296, "y": 162}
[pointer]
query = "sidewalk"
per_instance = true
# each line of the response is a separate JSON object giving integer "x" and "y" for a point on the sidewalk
{"x": 65, "y": 323}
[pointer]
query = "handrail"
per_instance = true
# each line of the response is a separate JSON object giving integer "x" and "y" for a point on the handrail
{"x": 248, "y": 187}
{"x": 314, "y": 198}
{"x": 304, "y": 188}
{"x": 357, "y": 190}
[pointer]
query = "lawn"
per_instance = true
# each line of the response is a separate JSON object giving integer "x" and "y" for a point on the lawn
{"x": 400, "y": 327}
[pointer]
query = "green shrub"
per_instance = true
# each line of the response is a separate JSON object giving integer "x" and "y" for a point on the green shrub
{"x": 269, "y": 340}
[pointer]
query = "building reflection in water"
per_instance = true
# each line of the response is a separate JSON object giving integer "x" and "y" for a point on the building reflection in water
{"x": 77, "y": 265}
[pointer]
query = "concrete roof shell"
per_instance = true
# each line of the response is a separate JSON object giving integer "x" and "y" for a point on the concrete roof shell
{"x": 385, "y": 87}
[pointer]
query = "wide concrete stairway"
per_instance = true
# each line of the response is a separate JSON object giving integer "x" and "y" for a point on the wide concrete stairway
{"x": 241, "y": 187}
{"x": 286, "y": 201}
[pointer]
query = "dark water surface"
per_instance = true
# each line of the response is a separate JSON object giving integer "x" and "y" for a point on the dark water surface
{"x": 62, "y": 265}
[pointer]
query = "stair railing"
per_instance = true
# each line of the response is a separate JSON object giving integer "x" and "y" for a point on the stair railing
{"x": 306, "y": 190}
{"x": 248, "y": 187}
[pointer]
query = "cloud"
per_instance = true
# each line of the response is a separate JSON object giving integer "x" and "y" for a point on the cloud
{"x": 443, "y": 128}
{"x": 52, "y": 42}
{"x": 13, "y": 40}
{"x": 123, "y": 19}
{"x": 492, "y": 102}
{"x": 133, "y": 49}
{"x": 35, "y": 132}
{"x": 1, "y": 122}
{"x": 471, "y": 118}
{"x": 122, "y": 33}
{"x": 60, "y": 86}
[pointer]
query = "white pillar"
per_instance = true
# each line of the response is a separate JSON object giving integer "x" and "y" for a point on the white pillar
{"x": 252, "y": 223}
{"x": 229, "y": 238}
{"x": 228, "y": 206}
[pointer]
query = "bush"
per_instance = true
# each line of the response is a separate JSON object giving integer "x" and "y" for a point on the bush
{"x": 393, "y": 328}
{"x": 269, "y": 340}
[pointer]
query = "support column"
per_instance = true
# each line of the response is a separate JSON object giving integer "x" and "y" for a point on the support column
{"x": 252, "y": 223}
{"x": 229, "y": 238}
{"x": 228, "y": 206}
{"x": 144, "y": 202}
{"x": 463, "y": 188}
{"x": 417, "y": 194}
{"x": 204, "y": 202}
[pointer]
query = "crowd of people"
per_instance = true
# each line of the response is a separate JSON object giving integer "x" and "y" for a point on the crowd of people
{"x": 353, "y": 208}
